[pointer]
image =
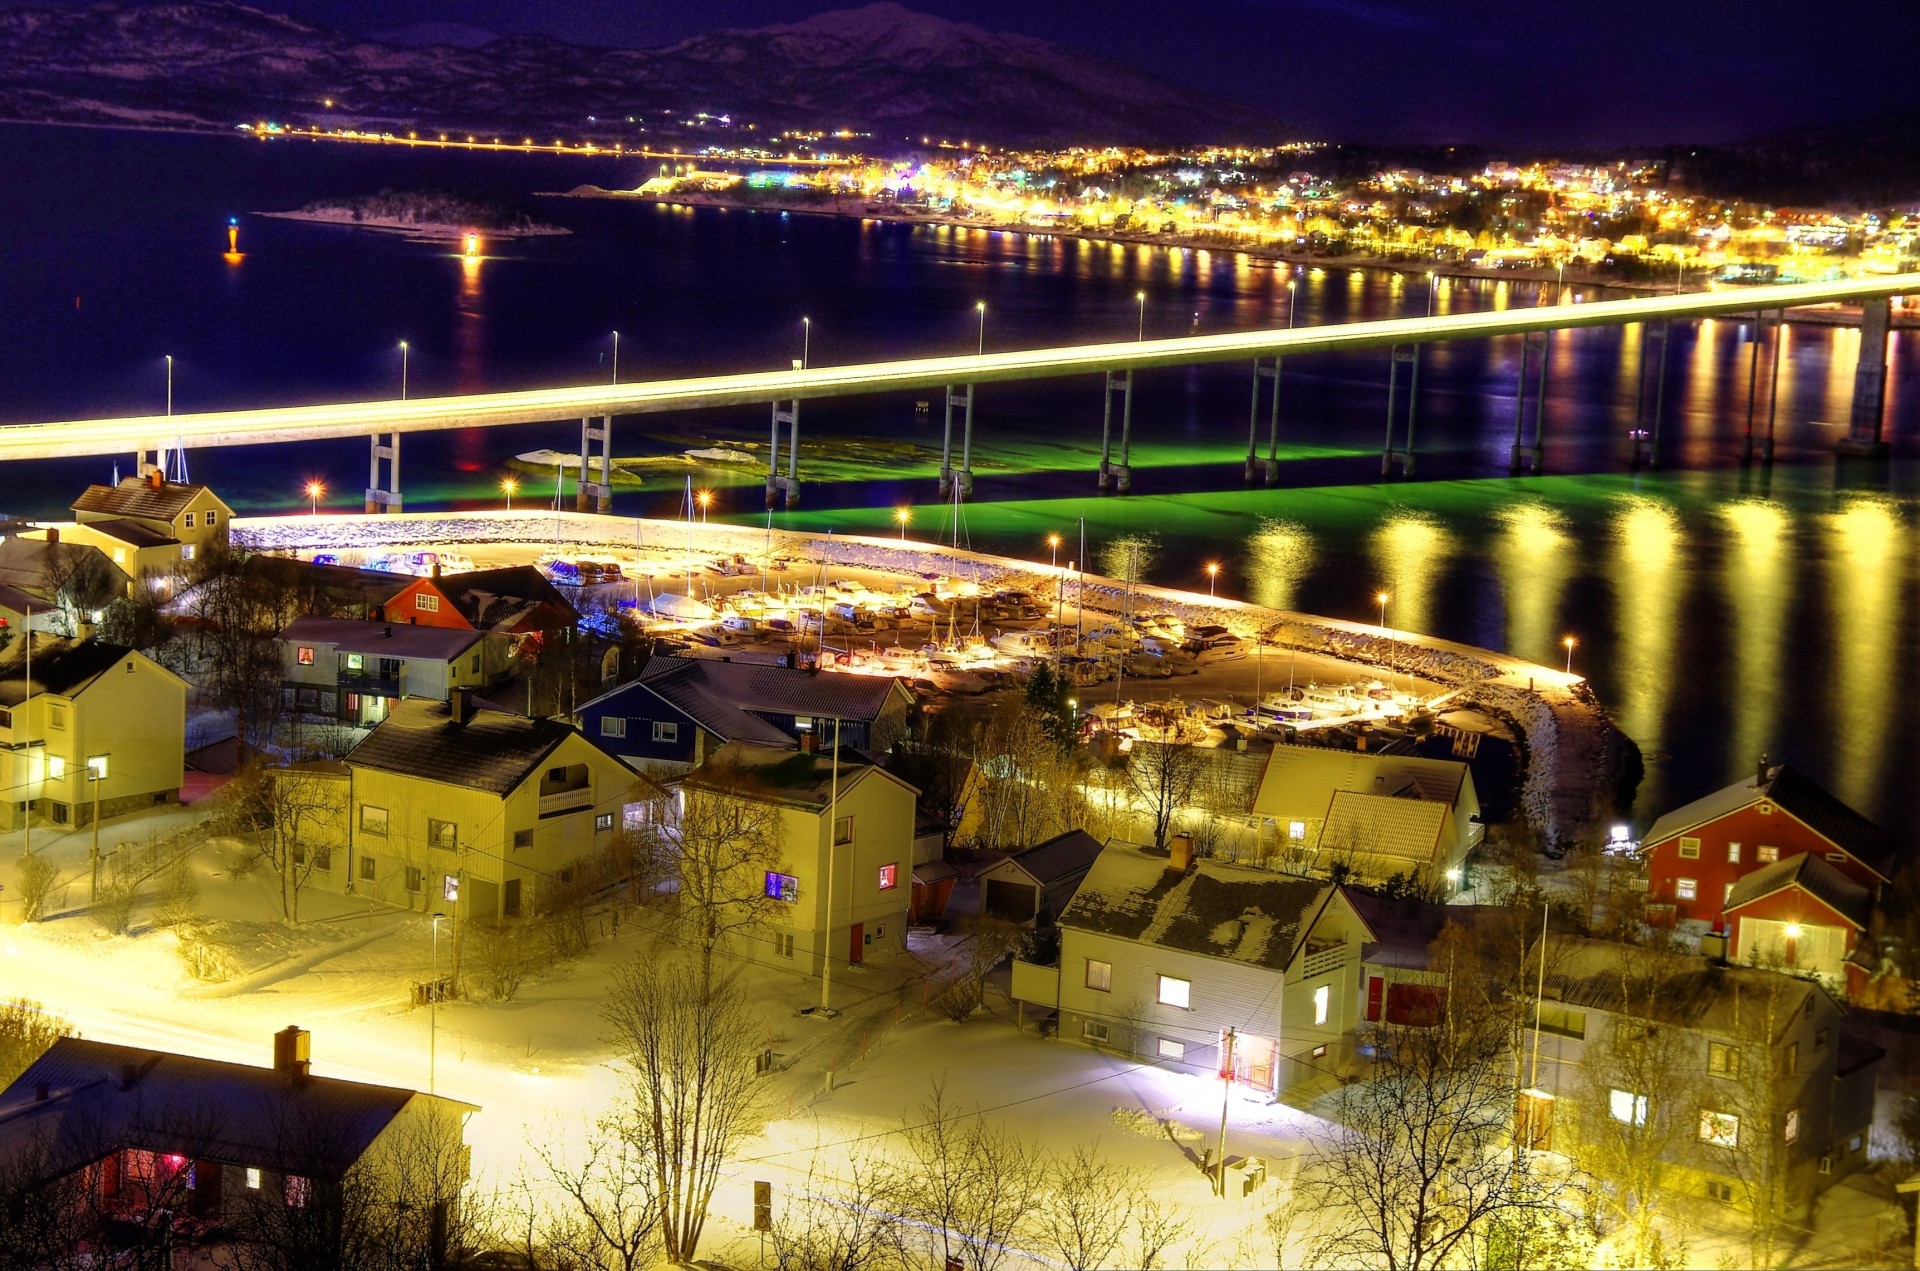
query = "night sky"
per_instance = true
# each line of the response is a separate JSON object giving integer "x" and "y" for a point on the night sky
{"x": 1502, "y": 72}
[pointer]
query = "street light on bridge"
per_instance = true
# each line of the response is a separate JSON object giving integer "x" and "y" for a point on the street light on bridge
{"x": 1140, "y": 335}
{"x": 980, "y": 307}
{"x": 403, "y": 370}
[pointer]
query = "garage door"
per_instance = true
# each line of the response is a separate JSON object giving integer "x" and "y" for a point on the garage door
{"x": 1012, "y": 901}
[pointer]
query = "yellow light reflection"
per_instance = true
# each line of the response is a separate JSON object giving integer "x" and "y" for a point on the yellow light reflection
{"x": 1864, "y": 576}
{"x": 1281, "y": 554}
{"x": 1645, "y": 566}
{"x": 1757, "y": 586}
{"x": 1411, "y": 550}
{"x": 1534, "y": 555}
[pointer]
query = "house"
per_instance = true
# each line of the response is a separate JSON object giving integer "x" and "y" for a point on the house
{"x": 1204, "y": 966}
{"x": 469, "y": 810}
{"x": 75, "y": 579}
{"x": 20, "y": 610}
{"x": 1039, "y": 880}
{"x": 681, "y": 710}
{"x": 1696, "y": 854}
{"x": 88, "y": 726}
{"x": 135, "y": 548}
{"x": 846, "y": 838}
{"x": 191, "y": 515}
{"x": 517, "y": 600}
{"x": 1379, "y": 815}
{"x": 99, "y": 1135}
{"x": 1763, "y": 1096}
{"x": 353, "y": 670}
{"x": 1799, "y": 914}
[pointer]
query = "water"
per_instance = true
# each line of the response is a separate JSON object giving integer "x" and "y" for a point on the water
{"x": 1720, "y": 611}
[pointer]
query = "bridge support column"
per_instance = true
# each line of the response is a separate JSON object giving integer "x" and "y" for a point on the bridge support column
{"x": 1115, "y": 383}
{"x": 1866, "y": 422}
{"x": 773, "y": 458}
{"x": 146, "y": 463}
{"x": 1773, "y": 382}
{"x": 600, "y": 490}
{"x": 1409, "y": 354}
{"x": 793, "y": 454}
{"x": 1540, "y": 408}
{"x": 1393, "y": 387}
{"x": 1663, "y": 333}
{"x": 1264, "y": 470}
{"x": 963, "y": 475}
{"x": 383, "y": 498}
{"x": 1123, "y": 471}
{"x": 1528, "y": 347}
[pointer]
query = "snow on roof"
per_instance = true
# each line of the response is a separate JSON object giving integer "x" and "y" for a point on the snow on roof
{"x": 1802, "y": 798}
{"x": 1812, "y": 875}
{"x": 1305, "y": 778}
{"x": 387, "y": 639}
{"x": 1379, "y": 825}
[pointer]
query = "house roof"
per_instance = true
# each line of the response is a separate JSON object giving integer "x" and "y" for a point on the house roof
{"x": 63, "y": 669}
{"x": 1801, "y": 797}
{"x": 1405, "y": 829}
{"x": 137, "y": 498}
{"x": 1221, "y": 910}
{"x": 385, "y": 639}
{"x": 18, "y": 601}
{"x": 25, "y": 562}
{"x": 1056, "y": 866}
{"x": 708, "y": 685}
{"x": 805, "y": 778}
{"x": 1812, "y": 875}
{"x": 1696, "y": 993}
{"x": 229, "y": 1112}
{"x": 132, "y": 533}
{"x": 491, "y": 597}
{"x": 1403, "y": 931}
{"x": 493, "y": 751}
{"x": 1301, "y": 778}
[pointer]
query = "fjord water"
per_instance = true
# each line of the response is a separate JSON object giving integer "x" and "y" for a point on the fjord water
{"x": 1721, "y": 610}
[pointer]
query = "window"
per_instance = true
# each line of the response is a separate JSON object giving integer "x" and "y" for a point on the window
{"x": 1627, "y": 1107}
{"x": 613, "y": 726}
{"x": 213, "y": 519}
{"x": 1174, "y": 992}
{"x": 1099, "y": 975}
{"x": 1171, "y": 1049}
{"x": 1296, "y": 830}
{"x": 843, "y": 831}
{"x": 186, "y": 551}
{"x": 1321, "y": 996}
{"x": 1856, "y": 1142}
{"x": 1689, "y": 849}
{"x": 444, "y": 835}
{"x": 119, "y": 555}
{"x": 450, "y": 888}
{"x": 56, "y": 717}
{"x": 1563, "y": 1021}
{"x": 1836, "y": 858}
{"x": 1733, "y": 853}
{"x": 783, "y": 943}
{"x": 1686, "y": 888}
{"x": 253, "y": 1179}
{"x": 889, "y": 877}
{"x": 1722, "y": 1192}
{"x": 783, "y": 887}
{"x": 424, "y": 603}
{"x": 367, "y": 869}
{"x": 415, "y": 880}
{"x": 299, "y": 1190}
{"x": 1094, "y": 1031}
{"x": 56, "y": 767}
{"x": 1721, "y": 1129}
{"x": 603, "y": 821}
{"x": 1766, "y": 855}
{"x": 189, "y": 520}
{"x": 356, "y": 662}
{"x": 1726, "y": 893}
{"x": 474, "y": 666}
{"x": 1723, "y": 1060}
{"x": 665, "y": 731}
{"x": 1790, "y": 1132}
{"x": 523, "y": 838}
{"x": 305, "y": 655}
{"x": 96, "y": 767}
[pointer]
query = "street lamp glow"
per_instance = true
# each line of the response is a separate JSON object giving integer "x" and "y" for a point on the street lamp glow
{"x": 1793, "y": 931}
{"x": 901, "y": 516}
{"x": 1141, "y": 335}
{"x": 507, "y": 486}
{"x": 1053, "y": 545}
{"x": 1213, "y": 575}
{"x": 1381, "y": 598}
{"x": 705, "y": 499}
{"x": 1568, "y": 642}
{"x": 980, "y": 307}
{"x": 403, "y": 370}
{"x": 314, "y": 490}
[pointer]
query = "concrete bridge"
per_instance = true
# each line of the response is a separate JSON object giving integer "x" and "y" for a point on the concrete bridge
{"x": 385, "y": 422}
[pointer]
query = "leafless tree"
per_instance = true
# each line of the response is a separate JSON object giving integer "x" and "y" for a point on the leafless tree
{"x": 301, "y": 815}
{"x": 237, "y": 612}
{"x": 609, "y": 1218}
{"x": 1085, "y": 1209}
{"x": 688, "y": 1041}
{"x": 968, "y": 1186}
{"x": 1164, "y": 775}
{"x": 82, "y": 582}
{"x": 38, "y": 875}
{"x": 1025, "y": 785}
{"x": 843, "y": 1222}
{"x": 938, "y": 758}
{"x": 719, "y": 852}
{"x": 1772, "y": 1173}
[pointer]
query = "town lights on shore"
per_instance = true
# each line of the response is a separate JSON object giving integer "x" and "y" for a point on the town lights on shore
{"x": 472, "y": 247}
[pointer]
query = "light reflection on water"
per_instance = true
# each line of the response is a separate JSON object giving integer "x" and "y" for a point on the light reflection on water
{"x": 1863, "y": 583}
{"x": 1534, "y": 556}
{"x": 1279, "y": 556}
{"x": 1757, "y": 584}
{"x": 1643, "y": 564}
{"x": 1411, "y": 550}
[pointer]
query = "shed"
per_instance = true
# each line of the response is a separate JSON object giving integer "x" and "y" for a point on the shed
{"x": 1045, "y": 876}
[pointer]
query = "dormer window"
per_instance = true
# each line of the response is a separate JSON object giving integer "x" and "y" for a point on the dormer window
{"x": 189, "y": 520}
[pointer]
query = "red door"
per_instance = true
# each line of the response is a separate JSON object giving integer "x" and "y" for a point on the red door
{"x": 856, "y": 943}
{"x": 1376, "y": 992}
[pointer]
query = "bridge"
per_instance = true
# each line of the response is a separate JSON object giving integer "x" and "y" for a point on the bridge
{"x": 385, "y": 422}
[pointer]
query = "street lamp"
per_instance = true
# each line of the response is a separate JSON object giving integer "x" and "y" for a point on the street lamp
{"x": 1380, "y": 598}
{"x": 1569, "y": 642}
{"x": 314, "y": 490}
{"x": 980, "y": 307}
{"x": 616, "y": 357}
{"x": 1213, "y": 575}
{"x": 806, "y": 341}
{"x": 902, "y": 516}
{"x": 507, "y": 486}
{"x": 403, "y": 370}
{"x": 1053, "y": 545}
{"x": 1141, "y": 335}
{"x": 705, "y": 499}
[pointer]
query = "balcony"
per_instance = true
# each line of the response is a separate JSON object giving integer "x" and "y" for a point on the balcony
{"x": 566, "y": 801}
{"x": 1324, "y": 961}
{"x": 369, "y": 684}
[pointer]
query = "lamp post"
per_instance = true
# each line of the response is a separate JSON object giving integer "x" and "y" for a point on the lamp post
{"x": 169, "y": 386}
{"x": 1140, "y": 334}
{"x": 705, "y": 499}
{"x": 806, "y": 341}
{"x": 902, "y": 516}
{"x": 1380, "y": 598}
{"x": 314, "y": 490}
{"x": 507, "y": 486}
{"x": 1569, "y": 642}
{"x": 1213, "y": 576}
{"x": 980, "y": 307}
{"x": 1053, "y": 545}
{"x": 403, "y": 370}
{"x": 616, "y": 357}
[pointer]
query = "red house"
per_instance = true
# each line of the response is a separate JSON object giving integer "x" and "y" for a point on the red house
{"x": 1799, "y": 914}
{"x": 516, "y": 600}
{"x": 1732, "y": 855}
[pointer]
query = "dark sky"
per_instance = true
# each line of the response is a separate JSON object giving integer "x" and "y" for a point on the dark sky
{"x": 1505, "y": 72}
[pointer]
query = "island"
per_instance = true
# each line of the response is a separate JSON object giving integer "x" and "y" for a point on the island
{"x": 432, "y": 215}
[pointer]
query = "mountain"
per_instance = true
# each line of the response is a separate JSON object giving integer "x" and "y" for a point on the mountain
{"x": 882, "y": 69}
{"x": 1868, "y": 163}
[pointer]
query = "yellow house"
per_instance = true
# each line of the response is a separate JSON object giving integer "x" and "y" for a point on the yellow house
{"x": 136, "y": 549}
{"x": 91, "y": 725}
{"x": 471, "y": 811}
{"x": 191, "y": 515}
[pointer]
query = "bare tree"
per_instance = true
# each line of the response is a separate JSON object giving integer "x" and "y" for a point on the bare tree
{"x": 840, "y": 1223}
{"x": 37, "y": 878}
{"x": 1026, "y": 779}
{"x": 302, "y": 814}
{"x": 1745, "y": 1131}
{"x": 689, "y": 1042}
{"x": 1085, "y": 1211}
{"x": 82, "y": 582}
{"x": 719, "y": 852}
{"x": 609, "y": 1218}
{"x": 937, "y": 758}
{"x": 969, "y": 1185}
{"x": 1164, "y": 776}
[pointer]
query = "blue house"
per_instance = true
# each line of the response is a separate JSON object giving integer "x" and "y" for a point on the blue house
{"x": 681, "y": 710}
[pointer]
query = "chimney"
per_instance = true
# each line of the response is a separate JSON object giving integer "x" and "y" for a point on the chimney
{"x": 460, "y": 705}
{"x": 1760, "y": 781}
{"x": 436, "y": 569}
{"x": 291, "y": 1053}
{"x": 129, "y": 1073}
{"x": 389, "y": 631}
{"x": 41, "y": 1091}
{"x": 1180, "y": 853}
{"x": 156, "y": 479}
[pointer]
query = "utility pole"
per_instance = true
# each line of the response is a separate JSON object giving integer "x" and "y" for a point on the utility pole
{"x": 26, "y": 749}
{"x": 833, "y": 814}
{"x": 1226, "y": 1091}
{"x": 93, "y": 857}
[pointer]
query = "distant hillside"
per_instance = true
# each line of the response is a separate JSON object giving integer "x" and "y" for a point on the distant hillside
{"x": 1871, "y": 163}
{"x": 882, "y": 69}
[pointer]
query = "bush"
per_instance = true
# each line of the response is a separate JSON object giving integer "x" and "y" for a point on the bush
{"x": 26, "y": 1031}
{"x": 37, "y": 876}
{"x": 504, "y": 954}
{"x": 112, "y": 909}
{"x": 961, "y": 999}
{"x": 179, "y": 895}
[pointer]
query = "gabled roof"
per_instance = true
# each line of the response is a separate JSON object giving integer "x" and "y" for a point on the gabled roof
{"x": 489, "y": 597}
{"x": 1800, "y": 797}
{"x": 1402, "y": 931}
{"x": 30, "y": 562}
{"x": 383, "y": 639}
{"x": 1056, "y": 866}
{"x": 1224, "y": 911}
{"x": 133, "y": 533}
{"x": 1732, "y": 1001}
{"x": 1382, "y": 825}
{"x": 66, "y": 670}
{"x": 137, "y": 498}
{"x": 493, "y": 751}
{"x": 1812, "y": 875}
{"x": 775, "y": 690}
{"x": 803, "y": 778}
{"x": 234, "y": 1113}
{"x": 1299, "y": 777}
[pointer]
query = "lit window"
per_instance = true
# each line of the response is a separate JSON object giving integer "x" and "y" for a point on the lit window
{"x": 604, "y": 821}
{"x": 306, "y": 655}
{"x": 450, "y": 888}
{"x": 56, "y": 768}
{"x": 1627, "y": 1107}
{"x": 1686, "y": 888}
{"x": 299, "y": 1191}
{"x": 1689, "y": 849}
{"x": 613, "y": 726}
{"x": 1099, "y": 975}
{"x": 1721, "y": 1129}
{"x": 663, "y": 731}
{"x": 783, "y": 887}
{"x": 1171, "y": 1049}
{"x": 1296, "y": 831}
{"x": 426, "y": 604}
{"x": 186, "y": 551}
{"x": 1094, "y": 1031}
{"x": 356, "y": 662}
{"x": 1733, "y": 853}
{"x": 843, "y": 831}
{"x": 1766, "y": 855}
{"x": 1723, "y": 1060}
{"x": 1791, "y": 1131}
{"x": 1320, "y": 997}
{"x": 253, "y": 1179}
{"x": 96, "y": 767}
{"x": 1175, "y": 992}
{"x": 889, "y": 877}
{"x": 373, "y": 820}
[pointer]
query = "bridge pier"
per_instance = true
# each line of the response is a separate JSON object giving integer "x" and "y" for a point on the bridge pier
{"x": 1866, "y": 421}
{"x": 1664, "y": 334}
{"x": 1123, "y": 471}
{"x": 1110, "y": 471}
{"x": 777, "y": 485}
{"x": 1773, "y": 381}
{"x": 792, "y": 487}
{"x": 1540, "y": 408}
{"x": 1388, "y": 455}
{"x": 383, "y": 498}
{"x": 963, "y": 475}
{"x": 1266, "y": 470}
{"x": 1529, "y": 347}
{"x": 601, "y": 490}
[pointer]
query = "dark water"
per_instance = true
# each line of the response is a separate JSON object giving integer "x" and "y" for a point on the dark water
{"x": 1720, "y": 611}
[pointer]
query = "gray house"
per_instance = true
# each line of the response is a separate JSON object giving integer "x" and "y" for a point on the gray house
{"x": 1042, "y": 878}
{"x": 354, "y": 671}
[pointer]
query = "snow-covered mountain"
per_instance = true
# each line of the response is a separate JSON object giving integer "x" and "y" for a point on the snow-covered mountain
{"x": 882, "y": 68}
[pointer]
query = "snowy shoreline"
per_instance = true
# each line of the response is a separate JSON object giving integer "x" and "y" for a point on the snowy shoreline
{"x": 426, "y": 231}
